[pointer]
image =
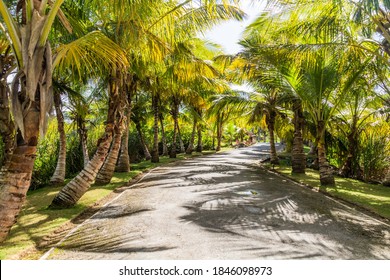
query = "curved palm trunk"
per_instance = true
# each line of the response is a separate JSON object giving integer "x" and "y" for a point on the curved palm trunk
{"x": 271, "y": 131}
{"x": 105, "y": 173}
{"x": 163, "y": 136}
{"x": 76, "y": 188}
{"x": 142, "y": 140}
{"x": 326, "y": 175}
{"x": 298, "y": 158}
{"x": 155, "y": 154}
{"x": 59, "y": 173}
{"x": 190, "y": 147}
{"x": 15, "y": 175}
{"x": 199, "y": 146}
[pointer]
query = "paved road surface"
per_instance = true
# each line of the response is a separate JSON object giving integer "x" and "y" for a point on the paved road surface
{"x": 224, "y": 207}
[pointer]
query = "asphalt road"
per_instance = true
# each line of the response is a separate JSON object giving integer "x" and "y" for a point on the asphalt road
{"x": 224, "y": 206}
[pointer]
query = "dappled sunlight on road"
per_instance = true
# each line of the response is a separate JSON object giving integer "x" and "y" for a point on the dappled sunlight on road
{"x": 224, "y": 206}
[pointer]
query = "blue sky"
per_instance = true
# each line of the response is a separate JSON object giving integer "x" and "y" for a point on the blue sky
{"x": 228, "y": 33}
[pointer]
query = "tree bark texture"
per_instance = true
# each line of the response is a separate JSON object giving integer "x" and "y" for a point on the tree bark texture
{"x": 105, "y": 173}
{"x": 123, "y": 164}
{"x": 298, "y": 158}
{"x": 163, "y": 136}
{"x": 181, "y": 143}
{"x": 59, "y": 173}
{"x": 83, "y": 136}
{"x": 351, "y": 167}
{"x": 15, "y": 175}
{"x": 175, "y": 115}
{"x": 190, "y": 147}
{"x": 155, "y": 153}
{"x": 199, "y": 146}
{"x": 326, "y": 175}
{"x": 271, "y": 130}
{"x": 219, "y": 133}
{"x": 142, "y": 140}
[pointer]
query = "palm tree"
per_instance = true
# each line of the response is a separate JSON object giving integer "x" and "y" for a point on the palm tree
{"x": 32, "y": 87}
{"x": 138, "y": 117}
{"x": 59, "y": 173}
{"x": 327, "y": 58}
{"x": 73, "y": 191}
{"x": 31, "y": 92}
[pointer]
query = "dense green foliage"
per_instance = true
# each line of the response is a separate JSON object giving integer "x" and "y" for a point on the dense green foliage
{"x": 317, "y": 74}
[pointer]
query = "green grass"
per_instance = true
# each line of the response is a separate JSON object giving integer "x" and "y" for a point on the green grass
{"x": 375, "y": 198}
{"x": 37, "y": 221}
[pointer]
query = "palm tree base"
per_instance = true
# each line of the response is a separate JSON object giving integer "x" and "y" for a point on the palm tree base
{"x": 155, "y": 158}
{"x": 56, "y": 182}
{"x": 328, "y": 181}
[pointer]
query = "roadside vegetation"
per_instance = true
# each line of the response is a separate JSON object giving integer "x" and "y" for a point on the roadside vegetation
{"x": 89, "y": 89}
{"x": 374, "y": 198}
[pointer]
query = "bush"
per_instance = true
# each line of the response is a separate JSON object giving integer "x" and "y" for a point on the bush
{"x": 46, "y": 161}
{"x": 374, "y": 159}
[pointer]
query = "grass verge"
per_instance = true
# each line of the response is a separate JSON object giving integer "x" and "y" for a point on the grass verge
{"x": 373, "y": 198}
{"x": 36, "y": 222}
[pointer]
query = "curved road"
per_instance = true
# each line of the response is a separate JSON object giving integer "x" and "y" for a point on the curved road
{"x": 224, "y": 207}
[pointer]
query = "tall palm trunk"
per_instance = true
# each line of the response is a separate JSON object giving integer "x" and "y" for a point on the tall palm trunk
{"x": 181, "y": 143}
{"x": 105, "y": 173}
{"x": 59, "y": 173}
{"x": 351, "y": 167}
{"x": 219, "y": 132}
{"x": 142, "y": 140}
{"x": 298, "y": 158}
{"x": 163, "y": 136}
{"x": 83, "y": 136}
{"x": 326, "y": 175}
{"x": 270, "y": 119}
{"x": 175, "y": 115}
{"x": 75, "y": 189}
{"x": 190, "y": 147}
{"x": 155, "y": 153}
{"x": 199, "y": 146}
{"x": 123, "y": 164}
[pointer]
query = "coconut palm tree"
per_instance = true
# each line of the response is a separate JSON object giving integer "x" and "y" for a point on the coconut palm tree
{"x": 31, "y": 91}
{"x": 59, "y": 173}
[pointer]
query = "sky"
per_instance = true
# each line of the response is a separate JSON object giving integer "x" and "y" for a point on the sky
{"x": 229, "y": 33}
